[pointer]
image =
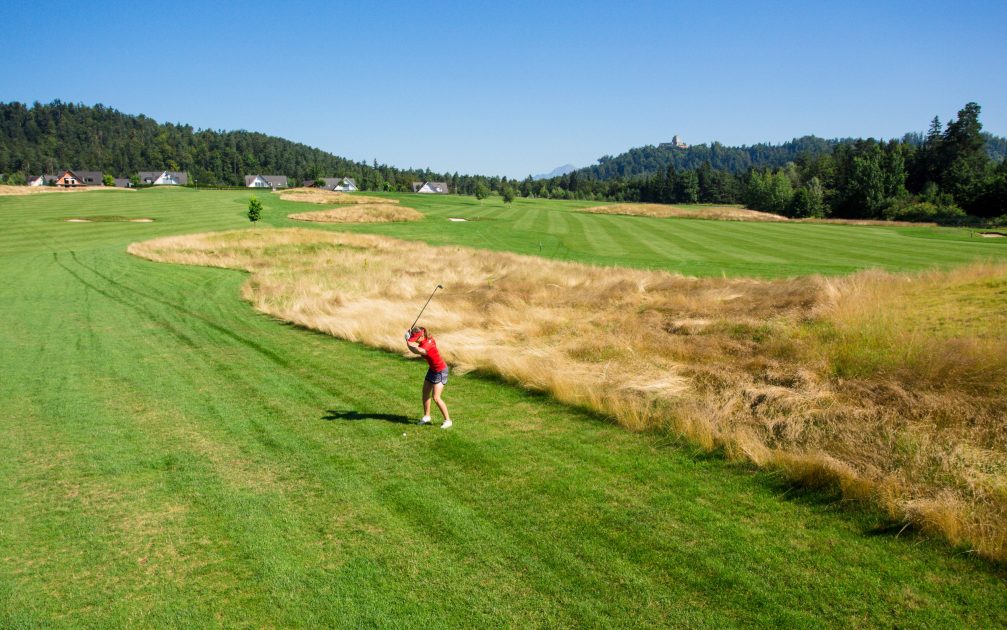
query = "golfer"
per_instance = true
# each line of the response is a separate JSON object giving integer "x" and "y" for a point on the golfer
{"x": 422, "y": 343}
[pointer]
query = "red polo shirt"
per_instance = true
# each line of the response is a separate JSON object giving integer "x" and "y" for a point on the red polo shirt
{"x": 432, "y": 356}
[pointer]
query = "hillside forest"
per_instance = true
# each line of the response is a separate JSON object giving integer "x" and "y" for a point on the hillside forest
{"x": 950, "y": 174}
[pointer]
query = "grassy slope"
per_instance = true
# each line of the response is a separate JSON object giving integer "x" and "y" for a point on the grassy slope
{"x": 168, "y": 456}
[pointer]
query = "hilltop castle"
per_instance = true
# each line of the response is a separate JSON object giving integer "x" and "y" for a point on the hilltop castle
{"x": 676, "y": 143}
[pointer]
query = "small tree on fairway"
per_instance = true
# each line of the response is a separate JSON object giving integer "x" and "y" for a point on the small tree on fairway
{"x": 507, "y": 193}
{"x": 481, "y": 191}
{"x": 254, "y": 209}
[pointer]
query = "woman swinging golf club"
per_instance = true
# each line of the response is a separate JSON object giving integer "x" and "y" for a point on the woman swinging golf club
{"x": 422, "y": 343}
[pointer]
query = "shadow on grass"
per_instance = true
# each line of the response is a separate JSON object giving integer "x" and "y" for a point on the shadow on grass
{"x": 336, "y": 414}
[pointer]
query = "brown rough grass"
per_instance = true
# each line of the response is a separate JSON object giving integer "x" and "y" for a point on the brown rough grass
{"x": 727, "y": 213}
{"x": 879, "y": 222}
{"x": 664, "y": 211}
{"x": 888, "y": 388}
{"x": 361, "y": 213}
{"x": 9, "y": 191}
{"x": 331, "y": 197}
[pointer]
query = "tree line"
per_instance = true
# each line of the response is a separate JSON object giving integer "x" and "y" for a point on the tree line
{"x": 948, "y": 175}
{"x": 945, "y": 174}
{"x": 44, "y": 138}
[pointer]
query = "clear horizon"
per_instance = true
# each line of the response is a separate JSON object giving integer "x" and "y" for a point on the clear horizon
{"x": 522, "y": 89}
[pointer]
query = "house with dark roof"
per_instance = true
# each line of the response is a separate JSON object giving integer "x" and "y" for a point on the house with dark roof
{"x": 340, "y": 184}
{"x": 266, "y": 181}
{"x": 40, "y": 180}
{"x": 438, "y": 188}
{"x": 164, "y": 178}
{"x": 69, "y": 179}
{"x": 90, "y": 178}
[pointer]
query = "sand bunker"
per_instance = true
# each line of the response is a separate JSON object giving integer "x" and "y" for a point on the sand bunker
{"x": 318, "y": 195}
{"x": 361, "y": 213}
{"x": 664, "y": 211}
{"x": 992, "y": 234}
{"x": 456, "y": 219}
{"x": 108, "y": 219}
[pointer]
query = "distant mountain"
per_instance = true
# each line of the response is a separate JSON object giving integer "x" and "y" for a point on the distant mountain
{"x": 556, "y": 172}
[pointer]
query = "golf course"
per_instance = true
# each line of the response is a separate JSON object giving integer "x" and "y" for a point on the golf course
{"x": 172, "y": 457}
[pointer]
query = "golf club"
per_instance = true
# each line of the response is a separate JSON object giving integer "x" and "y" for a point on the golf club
{"x": 439, "y": 286}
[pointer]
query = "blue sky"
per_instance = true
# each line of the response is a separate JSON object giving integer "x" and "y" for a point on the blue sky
{"x": 516, "y": 88}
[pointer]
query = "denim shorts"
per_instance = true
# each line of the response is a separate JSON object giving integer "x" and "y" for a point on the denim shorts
{"x": 438, "y": 377}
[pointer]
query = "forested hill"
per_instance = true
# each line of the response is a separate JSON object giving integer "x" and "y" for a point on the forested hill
{"x": 44, "y": 138}
{"x": 736, "y": 160}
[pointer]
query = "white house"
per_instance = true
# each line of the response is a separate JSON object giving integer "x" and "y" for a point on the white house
{"x": 439, "y": 188}
{"x": 40, "y": 180}
{"x": 341, "y": 184}
{"x": 346, "y": 184}
{"x": 266, "y": 181}
{"x": 164, "y": 178}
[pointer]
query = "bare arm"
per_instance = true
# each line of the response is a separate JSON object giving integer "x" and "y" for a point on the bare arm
{"x": 415, "y": 348}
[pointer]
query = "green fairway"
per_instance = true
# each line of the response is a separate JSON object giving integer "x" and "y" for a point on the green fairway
{"x": 691, "y": 246}
{"x": 169, "y": 457}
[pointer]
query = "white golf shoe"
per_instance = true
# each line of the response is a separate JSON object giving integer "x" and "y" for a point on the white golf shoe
{"x": 446, "y": 425}
{"x": 425, "y": 420}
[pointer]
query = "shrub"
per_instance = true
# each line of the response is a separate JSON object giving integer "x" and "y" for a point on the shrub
{"x": 254, "y": 209}
{"x": 16, "y": 179}
{"x": 924, "y": 211}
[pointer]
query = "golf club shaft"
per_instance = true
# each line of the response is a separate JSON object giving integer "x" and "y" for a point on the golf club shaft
{"x": 425, "y": 306}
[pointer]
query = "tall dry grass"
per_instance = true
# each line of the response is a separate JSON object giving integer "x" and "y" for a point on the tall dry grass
{"x": 728, "y": 213}
{"x": 360, "y": 213}
{"x": 14, "y": 191}
{"x": 664, "y": 211}
{"x": 320, "y": 195}
{"x": 877, "y": 222}
{"x": 887, "y": 387}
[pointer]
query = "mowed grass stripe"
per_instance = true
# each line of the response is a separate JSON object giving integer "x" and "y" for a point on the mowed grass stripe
{"x": 881, "y": 246}
{"x": 558, "y": 223}
{"x": 682, "y": 236}
{"x": 597, "y": 233}
{"x": 653, "y": 238}
{"x": 525, "y": 219}
{"x": 836, "y": 242}
{"x": 540, "y": 225}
